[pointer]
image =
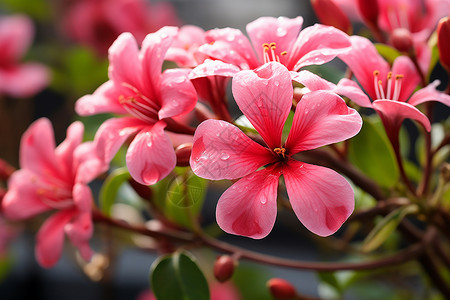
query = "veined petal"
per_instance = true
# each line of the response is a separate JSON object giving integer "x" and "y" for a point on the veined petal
{"x": 249, "y": 206}
{"x": 317, "y": 45}
{"x": 50, "y": 238}
{"x": 22, "y": 200}
{"x": 178, "y": 95}
{"x": 351, "y": 90}
{"x": 312, "y": 81}
{"x": 264, "y": 96}
{"x": 405, "y": 67}
{"x": 321, "y": 198}
{"x": 124, "y": 63}
{"x": 281, "y": 31}
{"x": 151, "y": 156}
{"x": 222, "y": 151}
{"x": 429, "y": 93}
{"x": 105, "y": 99}
{"x": 113, "y": 133}
{"x": 321, "y": 118}
{"x": 392, "y": 113}
{"x": 79, "y": 232}
{"x": 363, "y": 60}
{"x": 212, "y": 68}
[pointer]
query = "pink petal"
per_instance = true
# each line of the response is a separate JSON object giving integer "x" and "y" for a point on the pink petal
{"x": 249, "y": 206}
{"x": 64, "y": 151}
{"x": 50, "y": 238}
{"x": 429, "y": 93}
{"x": 124, "y": 63}
{"x": 312, "y": 81}
{"x": 265, "y": 97}
{"x": 24, "y": 80}
{"x": 104, "y": 100}
{"x": 151, "y": 156}
{"x": 281, "y": 31}
{"x": 113, "y": 133}
{"x": 37, "y": 149}
{"x": 212, "y": 68}
{"x": 321, "y": 198}
{"x": 317, "y": 45}
{"x": 230, "y": 46}
{"x": 363, "y": 60}
{"x": 16, "y": 35}
{"x": 222, "y": 151}
{"x": 351, "y": 90}
{"x": 392, "y": 113}
{"x": 87, "y": 164}
{"x": 178, "y": 95}
{"x": 22, "y": 200}
{"x": 82, "y": 197}
{"x": 321, "y": 118}
{"x": 404, "y": 66}
{"x": 80, "y": 231}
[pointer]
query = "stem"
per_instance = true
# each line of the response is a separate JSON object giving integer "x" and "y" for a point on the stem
{"x": 398, "y": 158}
{"x": 430, "y": 266}
{"x": 176, "y": 127}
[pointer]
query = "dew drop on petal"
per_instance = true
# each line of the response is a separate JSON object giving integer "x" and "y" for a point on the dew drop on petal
{"x": 281, "y": 32}
{"x": 224, "y": 156}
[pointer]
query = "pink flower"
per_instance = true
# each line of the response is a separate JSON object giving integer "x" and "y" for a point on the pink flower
{"x": 272, "y": 39}
{"x": 54, "y": 179}
{"x": 16, "y": 79}
{"x": 98, "y": 23}
{"x": 391, "y": 89}
{"x": 321, "y": 198}
{"x": 146, "y": 99}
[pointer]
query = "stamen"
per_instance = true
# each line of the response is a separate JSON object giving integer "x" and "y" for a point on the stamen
{"x": 397, "y": 87}
{"x": 375, "y": 83}
{"x": 271, "y": 56}
{"x": 265, "y": 52}
{"x": 280, "y": 152}
{"x": 380, "y": 86}
{"x": 389, "y": 84}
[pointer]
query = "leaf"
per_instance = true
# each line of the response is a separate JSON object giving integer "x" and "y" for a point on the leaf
{"x": 38, "y": 9}
{"x": 177, "y": 276}
{"x": 385, "y": 227}
{"x": 110, "y": 187}
{"x": 389, "y": 53}
{"x": 372, "y": 153}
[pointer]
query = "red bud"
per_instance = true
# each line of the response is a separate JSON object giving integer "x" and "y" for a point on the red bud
{"x": 281, "y": 289}
{"x": 369, "y": 11}
{"x": 443, "y": 43}
{"x": 401, "y": 39}
{"x": 224, "y": 268}
{"x": 183, "y": 153}
{"x": 330, "y": 14}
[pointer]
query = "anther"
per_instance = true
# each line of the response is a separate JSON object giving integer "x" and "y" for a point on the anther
{"x": 281, "y": 152}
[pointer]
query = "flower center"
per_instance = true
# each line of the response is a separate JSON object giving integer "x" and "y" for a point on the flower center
{"x": 281, "y": 152}
{"x": 393, "y": 87}
{"x": 139, "y": 105}
{"x": 269, "y": 52}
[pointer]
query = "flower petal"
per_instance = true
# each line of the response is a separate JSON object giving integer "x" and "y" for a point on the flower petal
{"x": 392, "y": 113}
{"x": 79, "y": 232}
{"x": 351, "y": 90}
{"x": 317, "y": 45}
{"x": 124, "y": 66}
{"x": 64, "y": 151}
{"x": 281, "y": 31}
{"x": 405, "y": 67}
{"x": 50, "y": 238}
{"x": 105, "y": 99}
{"x": 151, "y": 156}
{"x": 213, "y": 67}
{"x": 265, "y": 97}
{"x": 87, "y": 164}
{"x": 24, "y": 80}
{"x": 429, "y": 93}
{"x": 312, "y": 81}
{"x": 16, "y": 35}
{"x": 321, "y": 118}
{"x": 321, "y": 198}
{"x": 113, "y": 133}
{"x": 249, "y": 206}
{"x": 222, "y": 151}
{"x": 178, "y": 95}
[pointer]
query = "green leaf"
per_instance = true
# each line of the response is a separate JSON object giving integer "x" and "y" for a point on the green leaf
{"x": 38, "y": 9}
{"x": 389, "y": 53}
{"x": 372, "y": 153}
{"x": 386, "y": 227}
{"x": 110, "y": 187}
{"x": 177, "y": 276}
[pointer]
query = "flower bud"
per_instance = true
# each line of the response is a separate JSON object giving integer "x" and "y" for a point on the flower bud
{"x": 443, "y": 42}
{"x": 281, "y": 289}
{"x": 330, "y": 14}
{"x": 401, "y": 39}
{"x": 224, "y": 268}
{"x": 183, "y": 153}
{"x": 368, "y": 9}
{"x": 142, "y": 190}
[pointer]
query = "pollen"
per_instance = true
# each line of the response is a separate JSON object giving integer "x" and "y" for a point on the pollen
{"x": 392, "y": 87}
{"x": 281, "y": 152}
{"x": 269, "y": 52}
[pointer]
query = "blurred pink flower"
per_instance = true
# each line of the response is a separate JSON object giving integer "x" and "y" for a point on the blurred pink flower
{"x": 19, "y": 79}
{"x": 146, "y": 98}
{"x": 54, "y": 178}
{"x": 7, "y": 233}
{"x": 98, "y": 23}
{"x": 321, "y": 198}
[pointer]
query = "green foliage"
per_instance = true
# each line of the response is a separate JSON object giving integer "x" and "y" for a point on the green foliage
{"x": 372, "y": 153}
{"x": 383, "y": 229}
{"x": 111, "y": 187}
{"x": 177, "y": 276}
{"x": 37, "y": 9}
{"x": 246, "y": 276}
{"x": 389, "y": 53}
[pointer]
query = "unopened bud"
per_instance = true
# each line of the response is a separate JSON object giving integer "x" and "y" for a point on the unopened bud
{"x": 369, "y": 11}
{"x": 281, "y": 289}
{"x": 330, "y": 14}
{"x": 183, "y": 153}
{"x": 401, "y": 39}
{"x": 142, "y": 190}
{"x": 224, "y": 268}
{"x": 443, "y": 42}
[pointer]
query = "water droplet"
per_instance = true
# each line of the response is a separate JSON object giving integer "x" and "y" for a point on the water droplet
{"x": 225, "y": 156}
{"x": 281, "y": 32}
{"x": 263, "y": 200}
{"x": 149, "y": 143}
{"x": 276, "y": 83}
